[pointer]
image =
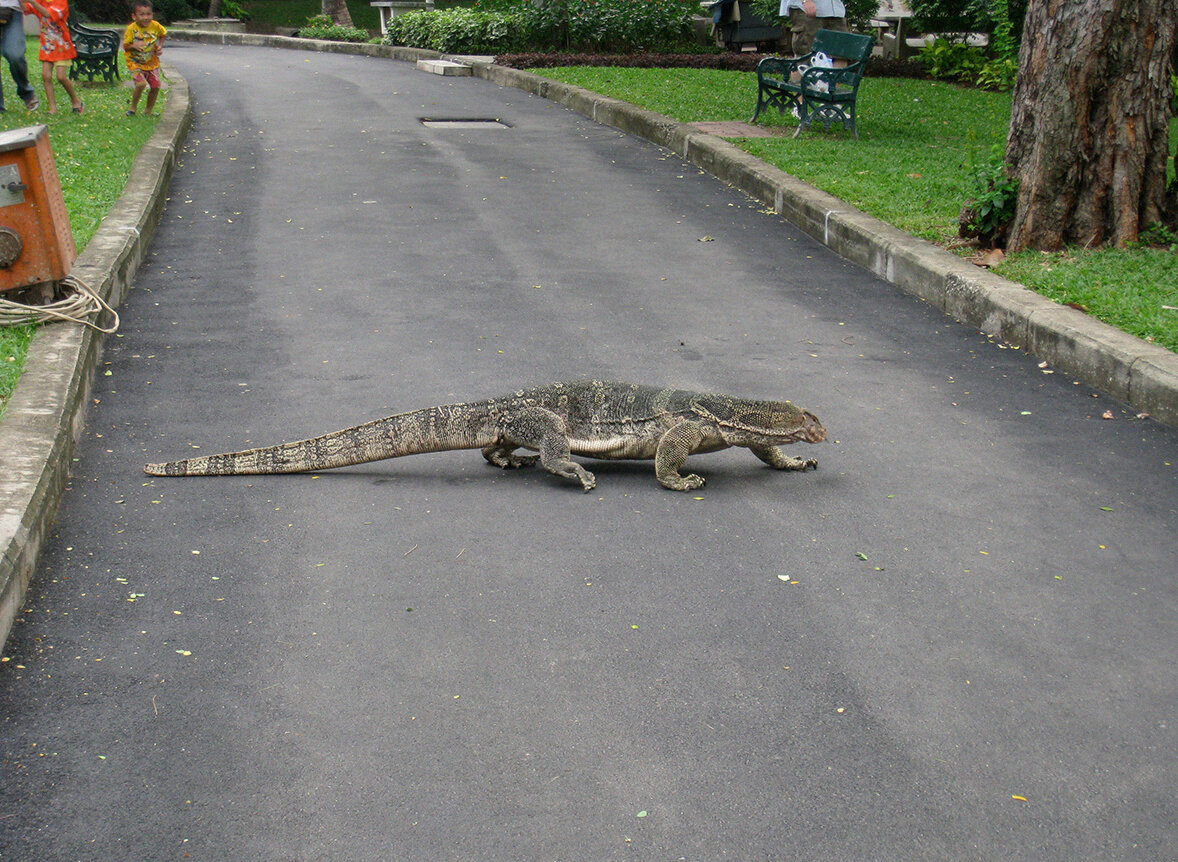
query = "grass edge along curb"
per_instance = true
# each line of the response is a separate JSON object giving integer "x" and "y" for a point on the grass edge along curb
{"x": 47, "y": 409}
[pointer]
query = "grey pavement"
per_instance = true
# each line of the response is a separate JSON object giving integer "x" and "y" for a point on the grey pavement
{"x": 952, "y": 641}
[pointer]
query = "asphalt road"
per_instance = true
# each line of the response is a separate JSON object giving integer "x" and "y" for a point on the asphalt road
{"x": 954, "y": 641}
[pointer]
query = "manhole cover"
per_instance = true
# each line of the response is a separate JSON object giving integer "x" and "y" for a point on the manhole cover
{"x": 463, "y": 123}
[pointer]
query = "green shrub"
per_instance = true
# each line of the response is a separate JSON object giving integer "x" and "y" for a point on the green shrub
{"x": 952, "y": 61}
{"x": 519, "y": 25}
{"x": 950, "y": 58}
{"x": 322, "y": 27}
{"x": 956, "y": 61}
{"x": 461, "y": 31}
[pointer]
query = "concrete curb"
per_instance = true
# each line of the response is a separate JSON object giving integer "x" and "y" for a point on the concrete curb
{"x": 1141, "y": 374}
{"x": 47, "y": 410}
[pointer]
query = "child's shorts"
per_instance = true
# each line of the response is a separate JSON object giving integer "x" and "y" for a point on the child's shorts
{"x": 62, "y": 64}
{"x": 150, "y": 77}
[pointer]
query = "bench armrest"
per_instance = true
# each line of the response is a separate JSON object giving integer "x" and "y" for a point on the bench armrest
{"x": 849, "y": 75}
{"x": 778, "y": 67}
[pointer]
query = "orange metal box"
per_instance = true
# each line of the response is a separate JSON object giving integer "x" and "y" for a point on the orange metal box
{"x": 36, "y": 243}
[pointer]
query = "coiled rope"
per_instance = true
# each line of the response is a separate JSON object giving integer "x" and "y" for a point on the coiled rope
{"x": 77, "y": 305}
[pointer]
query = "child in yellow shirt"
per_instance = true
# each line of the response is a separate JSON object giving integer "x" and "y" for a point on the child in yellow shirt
{"x": 142, "y": 44}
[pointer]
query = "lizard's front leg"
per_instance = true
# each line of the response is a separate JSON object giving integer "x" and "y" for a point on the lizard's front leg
{"x": 778, "y": 460}
{"x": 673, "y": 449}
{"x": 545, "y": 431}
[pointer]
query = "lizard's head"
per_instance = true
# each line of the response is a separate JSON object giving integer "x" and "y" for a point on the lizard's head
{"x": 792, "y": 422}
{"x": 773, "y": 423}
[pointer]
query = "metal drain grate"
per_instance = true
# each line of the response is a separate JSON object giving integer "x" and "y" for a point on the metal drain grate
{"x": 464, "y": 123}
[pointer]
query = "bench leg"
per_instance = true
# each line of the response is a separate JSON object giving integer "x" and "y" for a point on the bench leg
{"x": 761, "y": 103}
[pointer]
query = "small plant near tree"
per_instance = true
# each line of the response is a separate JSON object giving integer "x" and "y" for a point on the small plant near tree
{"x": 1159, "y": 235}
{"x": 233, "y": 9}
{"x": 989, "y": 212}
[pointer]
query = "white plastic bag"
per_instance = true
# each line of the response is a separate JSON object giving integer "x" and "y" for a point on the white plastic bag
{"x": 821, "y": 61}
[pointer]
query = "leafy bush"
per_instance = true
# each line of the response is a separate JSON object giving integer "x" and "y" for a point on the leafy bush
{"x": 956, "y": 61}
{"x": 519, "y": 25}
{"x": 949, "y": 56}
{"x": 952, "y": 60}
{"x": 461, "y": 30}
{"x": 322, "y": 27}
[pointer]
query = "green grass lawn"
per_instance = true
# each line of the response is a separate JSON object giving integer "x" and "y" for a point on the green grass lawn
{"x": 911, "y": 167}
{"x": 93, "y": 153}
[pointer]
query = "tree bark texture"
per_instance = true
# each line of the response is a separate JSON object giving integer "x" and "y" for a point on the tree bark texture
{"x": 1089, "y": 132}
{"x": 337, "y": 11}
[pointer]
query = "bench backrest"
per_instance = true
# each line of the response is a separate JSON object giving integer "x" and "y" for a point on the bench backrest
{"x": 852, "y": 47}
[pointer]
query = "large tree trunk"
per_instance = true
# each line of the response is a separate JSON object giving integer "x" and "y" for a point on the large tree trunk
{"x": 337, "y": 11}
{"x": 1089, "y": 131}
{"x": 214, "y": 8}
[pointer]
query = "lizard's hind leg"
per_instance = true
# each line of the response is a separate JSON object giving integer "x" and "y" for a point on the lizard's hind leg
{"x": 545, "y": 431}
{"x": 505, "y": 457}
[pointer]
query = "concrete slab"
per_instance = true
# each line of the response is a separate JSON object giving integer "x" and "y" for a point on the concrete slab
{"x": 443, "y": 67}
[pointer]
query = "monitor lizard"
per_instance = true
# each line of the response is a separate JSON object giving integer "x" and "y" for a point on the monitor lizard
{"x": 595, "y": 418}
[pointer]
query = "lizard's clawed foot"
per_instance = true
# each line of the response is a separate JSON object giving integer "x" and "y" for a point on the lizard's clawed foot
{"x": 514, "y": 461}
{"x": 507, "y": 459}
{"x": 588, "y": 480}
{"x": 690, "y": 482}
{"x": 801, "y": 464}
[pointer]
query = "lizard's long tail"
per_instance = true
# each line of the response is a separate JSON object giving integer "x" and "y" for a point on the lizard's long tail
{"x": 434, "y": 429}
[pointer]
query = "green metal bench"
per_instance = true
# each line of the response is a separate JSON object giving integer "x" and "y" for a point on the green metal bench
{"x": 812, "y": 93}
{"x": 98, "y": 52}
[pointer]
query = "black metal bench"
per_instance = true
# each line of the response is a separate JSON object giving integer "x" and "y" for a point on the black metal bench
{"x": 98, "y": 52}
{"x": 812, "y": 93}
